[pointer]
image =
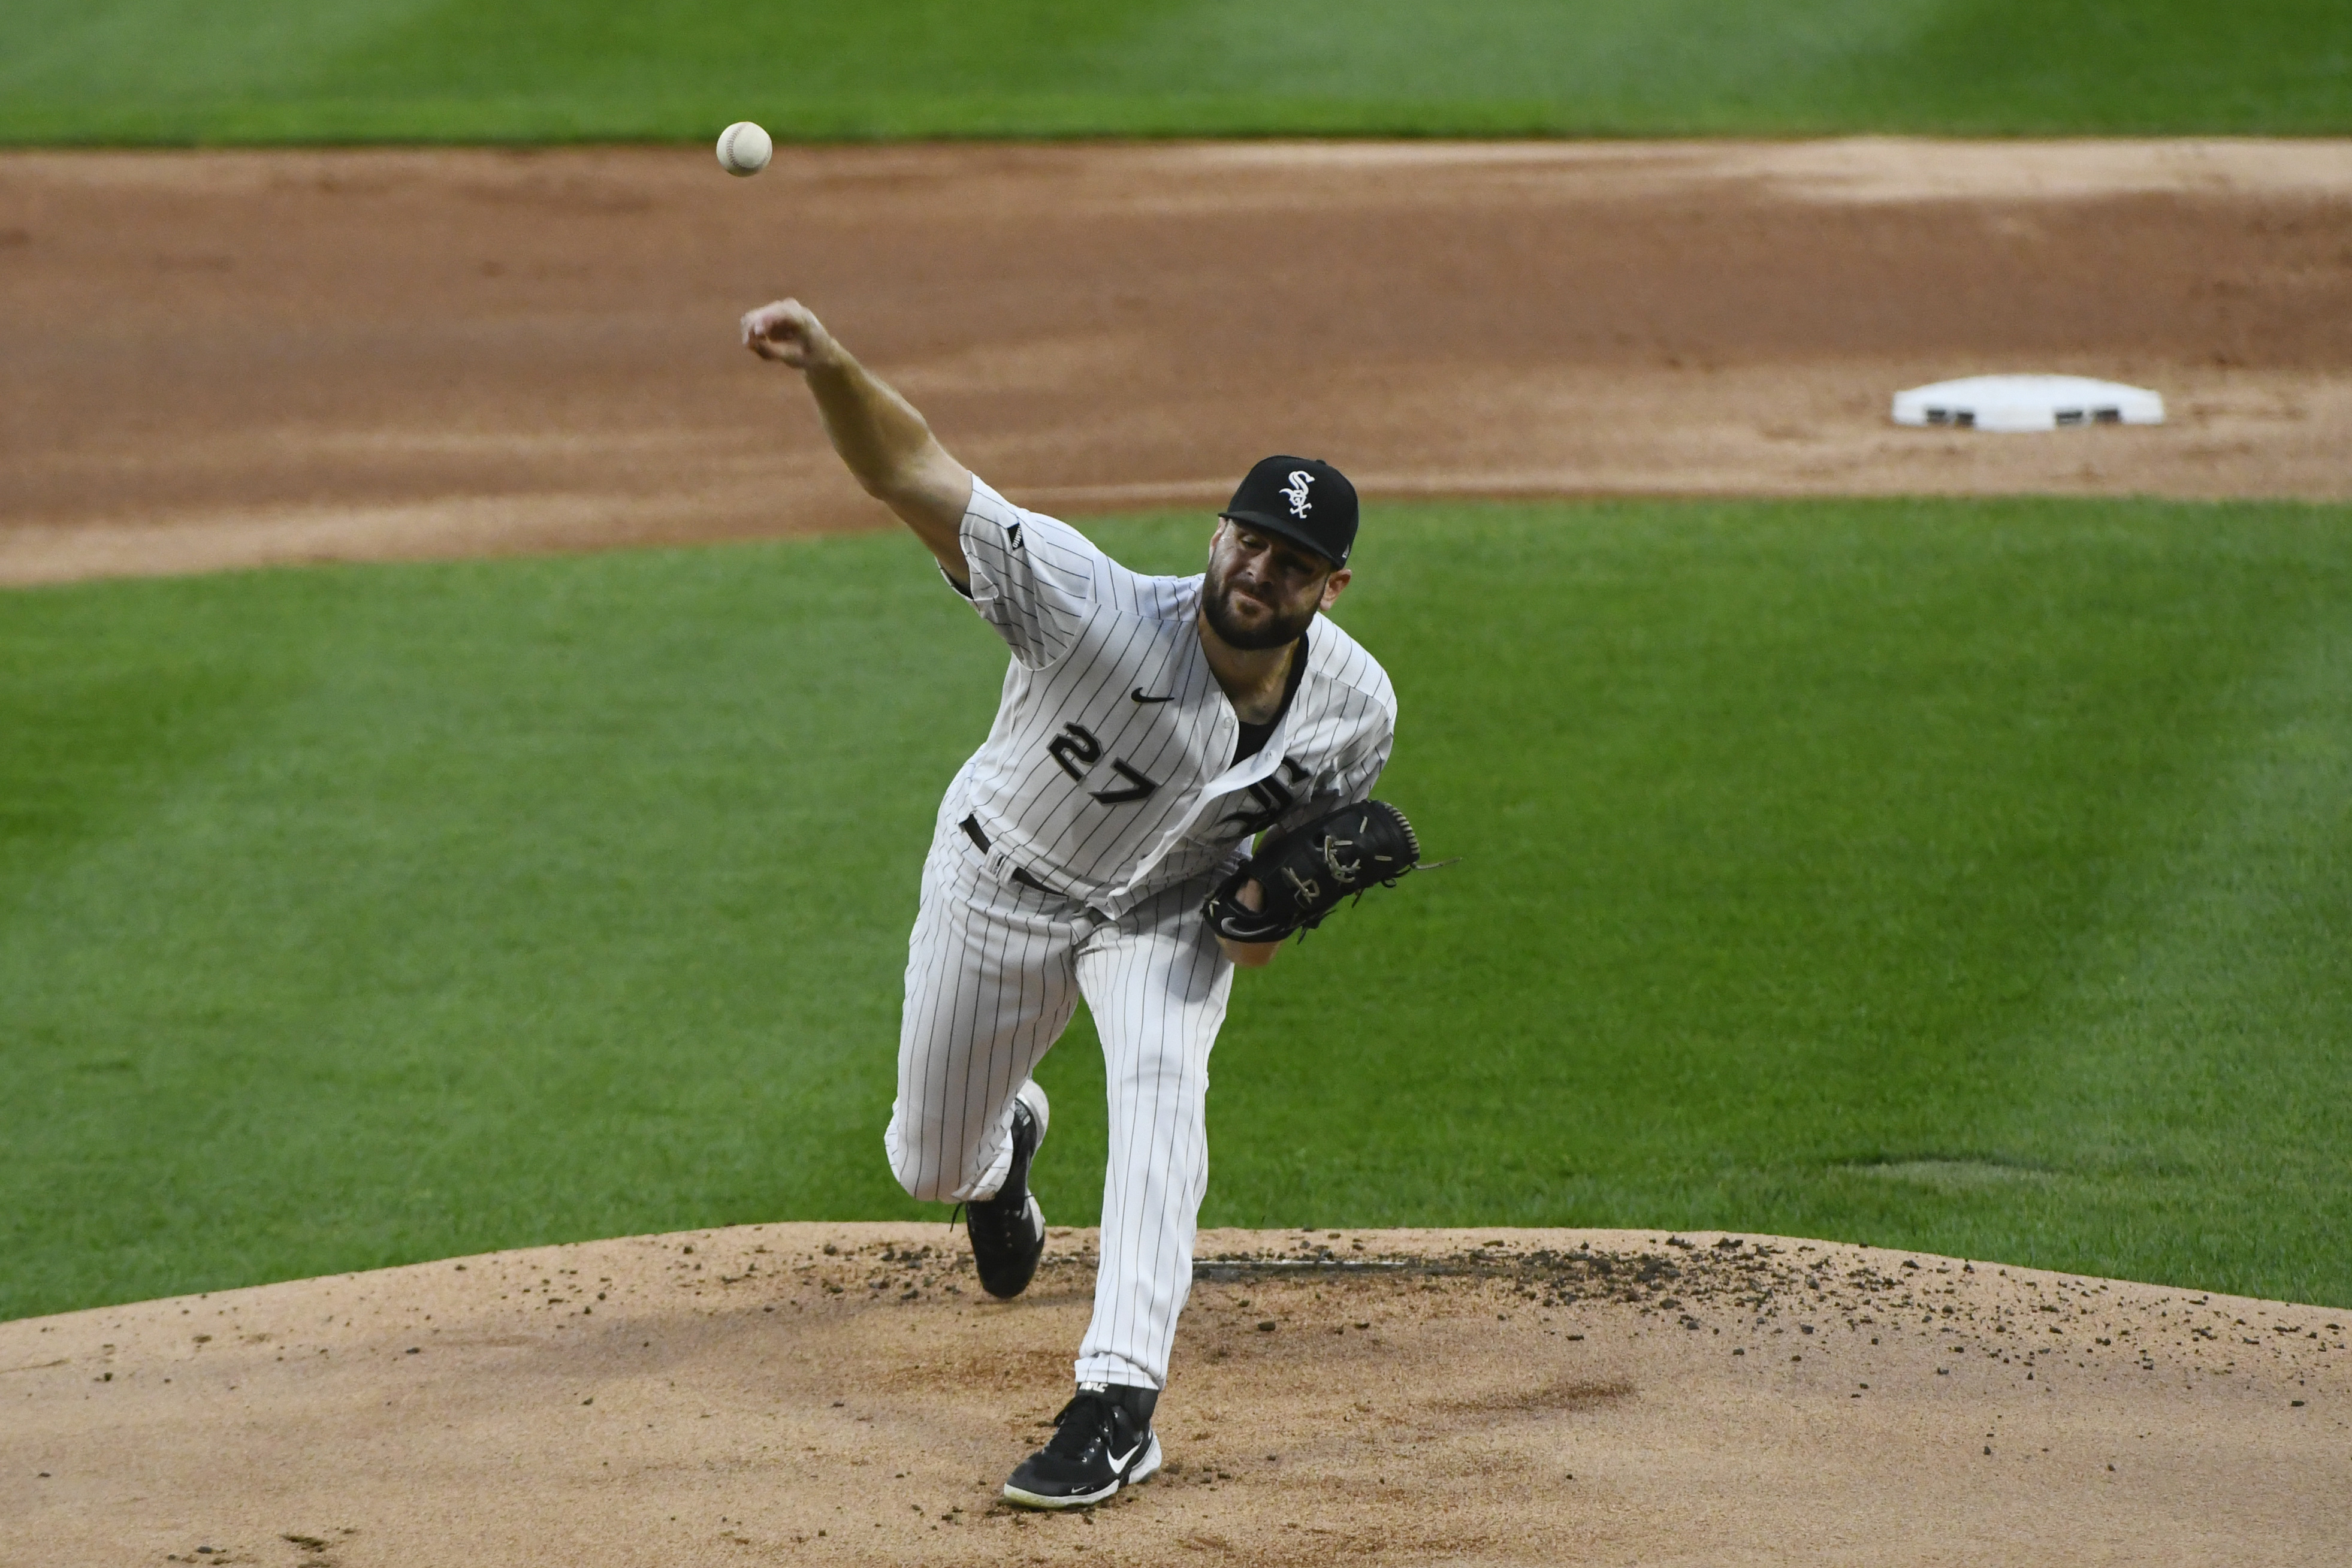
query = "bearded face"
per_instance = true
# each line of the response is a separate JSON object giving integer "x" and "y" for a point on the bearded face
{"x": 1261, "y": 591}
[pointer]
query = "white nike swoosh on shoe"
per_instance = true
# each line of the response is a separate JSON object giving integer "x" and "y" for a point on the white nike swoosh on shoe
{"x": 1120, "y": 1462}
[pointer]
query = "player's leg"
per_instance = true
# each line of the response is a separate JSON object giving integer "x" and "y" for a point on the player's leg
{"x": 1158, "y": 984}
{"x": 991, "y": 985}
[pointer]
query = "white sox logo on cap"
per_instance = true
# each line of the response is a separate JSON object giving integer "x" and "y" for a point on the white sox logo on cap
{"x": 1280, "y": 493}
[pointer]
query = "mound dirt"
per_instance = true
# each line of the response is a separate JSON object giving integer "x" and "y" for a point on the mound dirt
{"x": 224, "y": 359}
{"x": 846, "y": 1394}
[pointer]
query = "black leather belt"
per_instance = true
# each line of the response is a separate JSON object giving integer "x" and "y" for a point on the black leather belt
{"x": 972, "y": 831}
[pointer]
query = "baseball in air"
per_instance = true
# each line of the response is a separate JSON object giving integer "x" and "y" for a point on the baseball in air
{"x": 744, "y": 149}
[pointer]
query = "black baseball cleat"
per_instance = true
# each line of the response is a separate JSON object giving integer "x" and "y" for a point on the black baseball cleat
{"x": 1008, "y": 1231}
{"x": 1103, "y": 1441}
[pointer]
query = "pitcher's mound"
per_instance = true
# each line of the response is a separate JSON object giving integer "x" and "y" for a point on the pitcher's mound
{"x": 845, "y": 1393}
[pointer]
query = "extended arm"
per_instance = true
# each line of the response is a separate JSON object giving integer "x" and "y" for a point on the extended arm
{"x": 880, "y": 437}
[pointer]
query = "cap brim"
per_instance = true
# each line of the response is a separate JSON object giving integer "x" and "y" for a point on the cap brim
{"x": 1282, "y": 527}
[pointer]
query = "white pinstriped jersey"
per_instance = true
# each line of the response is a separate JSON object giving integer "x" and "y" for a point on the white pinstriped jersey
{"x": 1109, "y": 773}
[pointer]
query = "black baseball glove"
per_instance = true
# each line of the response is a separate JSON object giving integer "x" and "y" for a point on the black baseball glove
{"x": 1306, "y": 871}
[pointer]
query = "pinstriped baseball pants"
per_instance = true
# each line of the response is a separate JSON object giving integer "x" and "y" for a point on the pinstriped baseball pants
{"x": 994, "y": 971}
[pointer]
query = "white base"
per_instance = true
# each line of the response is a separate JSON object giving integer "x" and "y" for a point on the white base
{"x": 2014, "y": 403}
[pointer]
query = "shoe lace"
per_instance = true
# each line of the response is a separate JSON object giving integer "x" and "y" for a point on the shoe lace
{"x": 1001, "y": 1217}
{"x": 1072, "y": 1437}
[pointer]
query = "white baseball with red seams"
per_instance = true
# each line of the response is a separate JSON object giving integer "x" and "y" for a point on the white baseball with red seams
{"x": 1108, "y": 803}
{"x": 744, "y": 149}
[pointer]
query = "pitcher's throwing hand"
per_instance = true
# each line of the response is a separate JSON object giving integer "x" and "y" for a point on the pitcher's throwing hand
{"x": 787, "y": 332}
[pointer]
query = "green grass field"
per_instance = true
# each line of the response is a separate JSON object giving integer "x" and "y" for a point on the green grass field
{"x": 1973, "y": 876}
{"x": 535, "y": 71}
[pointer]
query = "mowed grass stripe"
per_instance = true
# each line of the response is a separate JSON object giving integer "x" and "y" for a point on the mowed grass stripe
{"x": 533, "y": 71}
{"x": 1964, "y": 875}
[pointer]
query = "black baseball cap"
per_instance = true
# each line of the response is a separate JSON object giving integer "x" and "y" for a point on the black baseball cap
{"x": 1304, "y": 500}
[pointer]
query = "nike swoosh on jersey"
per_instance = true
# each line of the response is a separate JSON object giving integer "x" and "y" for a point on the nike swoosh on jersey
{"x": 1142, "y": 698}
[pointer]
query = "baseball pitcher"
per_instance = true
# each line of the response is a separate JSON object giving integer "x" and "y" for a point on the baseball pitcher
{"x": 1098, "y": 844}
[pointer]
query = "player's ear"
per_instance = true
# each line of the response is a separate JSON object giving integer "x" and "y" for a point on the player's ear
{"x": 1335, "y": 585}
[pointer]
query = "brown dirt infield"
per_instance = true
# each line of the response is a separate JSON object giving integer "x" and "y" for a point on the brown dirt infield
{"x": 220, "y": 359}
{"x": 845, "y": 1394}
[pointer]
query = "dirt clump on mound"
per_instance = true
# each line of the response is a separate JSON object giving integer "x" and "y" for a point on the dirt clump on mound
{"x": 846, "y": 1393}
{"x": 224, "y": 359}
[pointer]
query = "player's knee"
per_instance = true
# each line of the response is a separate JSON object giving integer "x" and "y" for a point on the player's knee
{"x": 923, "y": 1178}
{"x": 924, "y": 1187}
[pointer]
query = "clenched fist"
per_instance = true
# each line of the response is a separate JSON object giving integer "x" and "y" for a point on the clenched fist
{"x": 789, "y": 330}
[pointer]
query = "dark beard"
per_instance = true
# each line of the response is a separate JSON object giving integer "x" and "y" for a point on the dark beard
{"x": 1279, "y": 632}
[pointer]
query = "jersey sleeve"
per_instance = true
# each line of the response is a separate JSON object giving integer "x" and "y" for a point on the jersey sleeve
{"x": 1034, "y": 578}
{"x": 1360, "y": 770}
